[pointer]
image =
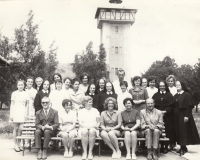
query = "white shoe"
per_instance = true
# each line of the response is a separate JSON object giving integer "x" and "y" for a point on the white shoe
{"x": 90, "y": 157}
{"x": 134, "y": 156}
{"x": 114, "y": 155}
{"x": 119, "y": 154}
{"x": 84, "y": 156}
{"x": 66, "y": 154}
{"x": 128, "y": 156}
{"x": 70, "y": 154}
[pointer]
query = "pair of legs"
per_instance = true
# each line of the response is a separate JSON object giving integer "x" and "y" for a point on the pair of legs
{"x": 68, "y": 140}
{"x": 130, "y": 139}
{"x": 17, "y": 131}
{"x": 110, "y": 138}
{"x": 88, "y": 137}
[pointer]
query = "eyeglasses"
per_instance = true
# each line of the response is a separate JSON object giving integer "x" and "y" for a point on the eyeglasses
{"x": 45, "y": 102}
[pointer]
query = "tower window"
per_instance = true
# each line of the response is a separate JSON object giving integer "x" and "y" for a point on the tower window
{"x": 116, "y": 50}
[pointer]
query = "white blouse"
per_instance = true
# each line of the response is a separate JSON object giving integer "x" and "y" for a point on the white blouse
{"x": 151, "y": 91}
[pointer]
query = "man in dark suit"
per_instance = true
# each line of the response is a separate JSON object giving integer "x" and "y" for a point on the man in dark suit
{"x": 46, "y": 125}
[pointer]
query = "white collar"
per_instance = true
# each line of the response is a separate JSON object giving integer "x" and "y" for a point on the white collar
{"x": 46, "y": 110}
{"x": 109, "y": 92}
{"x": 91, "y": 94}
{"x": 45, "y": 91}
{"x": 100, "y": 89}
{"x": 162, "y": 92}
{"x": 180, "y": 92}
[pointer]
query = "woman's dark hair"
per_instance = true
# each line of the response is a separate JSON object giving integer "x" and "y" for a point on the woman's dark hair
{"x": 75, "y": 80}
{"x": 123, "y": 83}
{"x": 128, "y": 99}
{"x": 66, "y": 79}
{"x": 166, "y": 86}
{"x": 58, "y": 74}
{"x": 88, "y": 89}
{"x": 29, "y": 77}
{"x": 136, "y": 78}
{"x": 41, "y": 87}
{"x": 66, "y": 101}
{"x": 183, "y": 86}
{"x": 98, "y": 87}
{"x": 83, "y": 75}
{"x": 113, "y": 90}
{"x": 151, "y": 79}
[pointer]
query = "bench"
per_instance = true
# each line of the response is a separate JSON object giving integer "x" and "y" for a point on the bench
{"x": 29, "y": 129}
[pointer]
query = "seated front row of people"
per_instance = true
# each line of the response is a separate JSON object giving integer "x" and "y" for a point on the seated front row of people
{"x": 110, "y": 123}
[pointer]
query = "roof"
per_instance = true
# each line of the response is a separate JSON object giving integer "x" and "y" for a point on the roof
{"x": 3, "y": 61}
{"x": 110, "y": 8}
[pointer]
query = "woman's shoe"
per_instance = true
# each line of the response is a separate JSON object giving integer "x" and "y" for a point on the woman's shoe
{"x": 17, "y": 149}
{"x": 66, "y": 154}
{"x": 133, "y": 157}
{"x": 128, "y": 157}
{"x": 178, "y": 151}
{"x": 182, "y": 152}
{"x": 21, "y": 148}
{"x": 114, "y": 155}
{"x": 70, "y": 154}
{"x": 84, "y": 157}
{"x": 119, "y": 154}
{"x": 90, "y": 157}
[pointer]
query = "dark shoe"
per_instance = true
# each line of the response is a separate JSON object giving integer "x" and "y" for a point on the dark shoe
{"x": 155, "y": 154}
{"x": 17, "y": 149}
{"x": 182, "y": 152}
{"x": 44, "y": 154}
{"x": 149, "y": 155}
{"x": 171, "y": 147}
{"x": 179, "y": 151}
{"x": 39, "y": 156}
{"x": 165, "y": 151}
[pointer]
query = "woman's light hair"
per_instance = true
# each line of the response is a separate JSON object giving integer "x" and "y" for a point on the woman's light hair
{"x": 169, "y": 77}
{"x": 110, "y": 99}
{"x": 86, "y": 99}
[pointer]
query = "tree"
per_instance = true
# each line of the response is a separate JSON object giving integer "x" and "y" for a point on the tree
{"x": 161, "y": 69}
{"x": 90, "y": 63}
{"x": 28, "y": 57}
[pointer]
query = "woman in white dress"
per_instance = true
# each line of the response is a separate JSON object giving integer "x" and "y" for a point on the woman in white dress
{"x": 76, "y": 95}
{"x": 171, "y": 80}
{"x": 84, "y": 82}
{"x": 18, "y": 112}
{"x": 67, "y": 87}
{"x": 89, "y": 121}
{"x": 151, "y": 90}
{"x": 31, "y": 92}
{"x": 56, "y": 97}
{"x": 67, "y": 125}
{"x": 124, "y": 94}
{"x": 56, "y": 76}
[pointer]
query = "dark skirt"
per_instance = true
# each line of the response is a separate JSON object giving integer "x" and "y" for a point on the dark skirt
{"x": 186, "y": 132}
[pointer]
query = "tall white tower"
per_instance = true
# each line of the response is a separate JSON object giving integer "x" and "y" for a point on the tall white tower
{"x": 115, "y": 25}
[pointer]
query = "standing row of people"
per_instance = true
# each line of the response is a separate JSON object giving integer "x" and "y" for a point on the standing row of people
{"x": 176, "y": 108}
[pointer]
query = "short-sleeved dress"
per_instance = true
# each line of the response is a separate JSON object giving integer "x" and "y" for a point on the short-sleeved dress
{"x": 140, "y": 94}
{"x": 89, "y": 118}
{"x": 18, "y": 110}
{"x": 66, "y": 121}
{"x": 129, "y": 118}
{"x": 109, "y": 121}
{"x": 31, "y": 97}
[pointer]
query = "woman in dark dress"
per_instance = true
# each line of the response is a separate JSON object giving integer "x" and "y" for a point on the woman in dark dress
{"x": 43, "y": 92}
{"x": 185, "y": 128}
{"x": 164, "y": 101}
{"x": 91, "y": 91}
{"x": 109, "y": 92}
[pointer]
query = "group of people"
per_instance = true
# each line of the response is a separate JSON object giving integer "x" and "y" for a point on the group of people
{"x": 106, "y": 109}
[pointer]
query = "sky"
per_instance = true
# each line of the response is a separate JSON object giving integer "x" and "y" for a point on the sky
{"x": 161, "y": 28}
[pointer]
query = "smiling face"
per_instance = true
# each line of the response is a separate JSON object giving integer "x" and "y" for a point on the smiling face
{"x": 56, "y": 77}
{"x": 58, "y": 85}
{"x": 144, "y": 82}
{"x": 170, "y": 82}
{"x": 68, "y": 107}
{"x": 178, "y": 86}
{"x": 20, "y": 85}
{"x": 67, "y": 83}
{"x": 150, "y": 104}
{"x": 152, "y": 83}
{"x": 111, "y": 105}
{"x": 46, "y": 85}
{"x": 92, "y": 88}
{"x": 45, "y": 103}
{"x": 128, "y": 105}
{"x": 38, "y": 81}
{"x": 29, "y": 83}
{"x": 101, "y": 83}
{"x": 123, "y": 88}
{"x": 162, "y": 86}
{"x": 108, "y": 87}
